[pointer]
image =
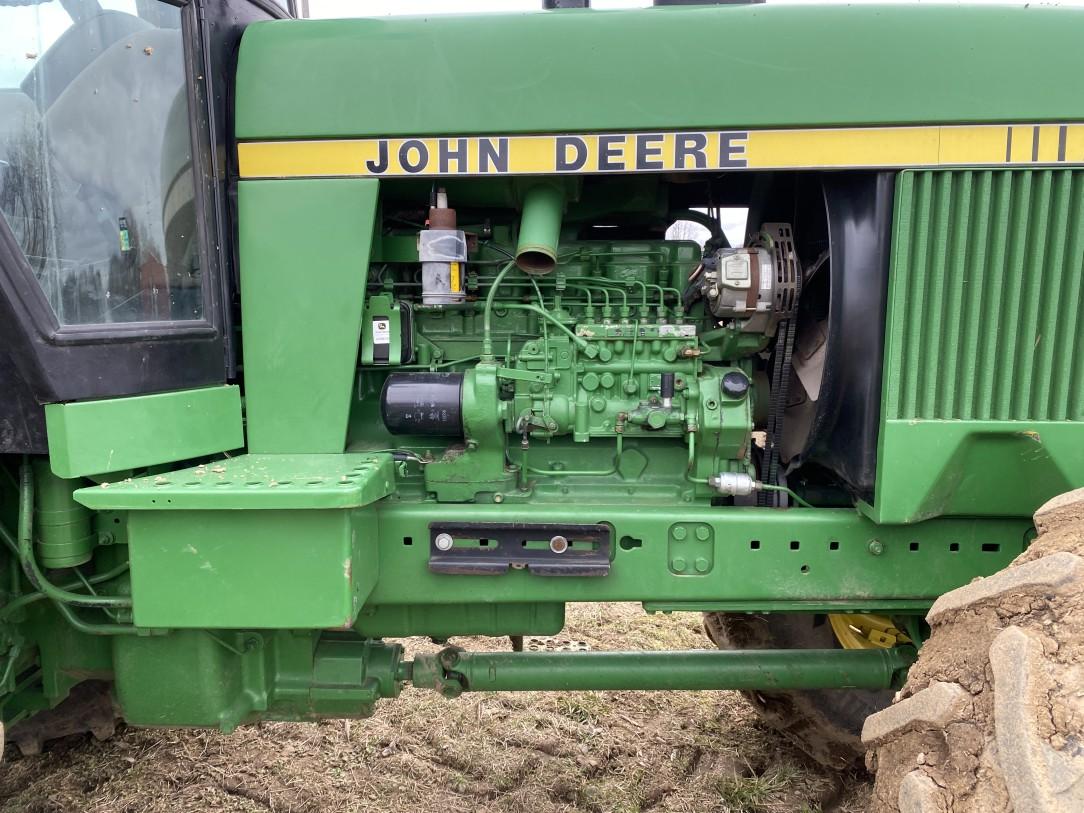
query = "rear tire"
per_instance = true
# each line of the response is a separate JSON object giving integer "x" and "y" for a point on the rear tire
{"x": 825, "y": 723}
{"x": 992, "y": 714}
{"x": 88, "y": 707}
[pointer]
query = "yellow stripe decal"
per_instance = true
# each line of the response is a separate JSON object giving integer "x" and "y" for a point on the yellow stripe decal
{"x": 684, "y": 151}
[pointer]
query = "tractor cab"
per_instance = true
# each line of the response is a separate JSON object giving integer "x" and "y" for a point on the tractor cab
{"x": 114, "y": 222}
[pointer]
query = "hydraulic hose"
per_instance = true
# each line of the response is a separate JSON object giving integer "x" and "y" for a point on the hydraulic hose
{"x": 30, "y": 598}
{"x": 100, "y": 629}
{"x": 487, "y": 316}
{"x": 13, "y": 657}
{"x": 784, "y": 490}
{"x": 30, "y": 565}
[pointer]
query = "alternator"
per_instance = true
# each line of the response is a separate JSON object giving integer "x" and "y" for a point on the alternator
{"x": 754, "y": 285}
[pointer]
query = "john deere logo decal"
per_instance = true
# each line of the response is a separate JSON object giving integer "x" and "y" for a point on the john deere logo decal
{"x": 674, "y": 151}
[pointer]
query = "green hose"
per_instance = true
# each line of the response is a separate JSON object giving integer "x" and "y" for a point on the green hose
{"x": 579, "y": 341}
{"x": 30, "y": 598}
{"x": 30, "y": 565}
{"x": 13, "y": 656}
{"x": 784, "y": 490}
{"x": 100, "y": 629}
{"x": 487, "y": 316}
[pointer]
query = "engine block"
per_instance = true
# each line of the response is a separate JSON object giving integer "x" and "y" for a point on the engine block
{"x": 589, "y": 373}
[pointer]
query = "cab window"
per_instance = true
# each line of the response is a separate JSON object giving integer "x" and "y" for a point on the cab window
{"x": 96, "y": 178}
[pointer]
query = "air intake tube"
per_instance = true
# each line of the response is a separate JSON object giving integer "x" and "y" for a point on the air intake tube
{"x": 540, "y": 227}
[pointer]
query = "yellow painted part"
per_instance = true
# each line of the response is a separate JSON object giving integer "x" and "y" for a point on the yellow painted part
{"x": 995, "y": 145}
{"x": 865, "y": 631}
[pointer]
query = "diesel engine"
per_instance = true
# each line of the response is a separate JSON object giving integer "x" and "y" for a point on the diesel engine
{"x": 528, "y": 353}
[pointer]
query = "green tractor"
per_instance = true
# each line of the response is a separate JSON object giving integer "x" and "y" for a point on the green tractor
{"x": 319, "y": 334}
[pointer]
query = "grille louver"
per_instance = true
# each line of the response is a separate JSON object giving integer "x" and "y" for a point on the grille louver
{"x": 986, "y": 322}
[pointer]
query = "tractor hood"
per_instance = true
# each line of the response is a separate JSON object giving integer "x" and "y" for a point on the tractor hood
{"x": 658, "y": 68}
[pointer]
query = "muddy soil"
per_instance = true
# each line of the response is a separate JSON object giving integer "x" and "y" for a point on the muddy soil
{"x": 602, "y": 752}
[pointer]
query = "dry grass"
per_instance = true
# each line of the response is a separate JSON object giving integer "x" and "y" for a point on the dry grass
{"x": 603, "y": 752}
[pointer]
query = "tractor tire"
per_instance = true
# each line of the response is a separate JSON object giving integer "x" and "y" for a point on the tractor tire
{"x": 88, "y": 708}
{"x": 992, "y": 715}
{"x": 824, "y": 723}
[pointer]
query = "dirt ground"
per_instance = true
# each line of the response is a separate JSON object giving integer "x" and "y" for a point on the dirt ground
{"x": 602, "y": 752}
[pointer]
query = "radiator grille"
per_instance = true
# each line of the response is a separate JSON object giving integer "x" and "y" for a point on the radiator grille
{"x": 985, "y": 314}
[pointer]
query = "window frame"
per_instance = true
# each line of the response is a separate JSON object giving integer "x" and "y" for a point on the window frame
{"x": 54, "y": 363}
{"x": 208, "y": 215}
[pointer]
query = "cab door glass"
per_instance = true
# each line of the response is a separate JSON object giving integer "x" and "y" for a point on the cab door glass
{"x": 96, "y": 179}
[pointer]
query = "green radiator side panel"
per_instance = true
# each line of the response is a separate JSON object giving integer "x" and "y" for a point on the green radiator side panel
{"x": 304, "y": 249}
{"x": 683, "y": 67}
{"x": 115, "y": 434}
{"x": 983, "y": 410}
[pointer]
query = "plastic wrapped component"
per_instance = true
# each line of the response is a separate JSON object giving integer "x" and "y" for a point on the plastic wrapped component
{"x": 443, "y": 253}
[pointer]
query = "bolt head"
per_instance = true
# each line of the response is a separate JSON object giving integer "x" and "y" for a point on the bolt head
{"x": 559, "y": 544}
{"x": 443, "y": 542}
{"x": 656, "y": 419}
{"x": 876, "y": 547}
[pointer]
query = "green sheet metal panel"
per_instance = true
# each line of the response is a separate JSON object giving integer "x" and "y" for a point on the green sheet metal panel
{"x": 304, "y": 250}
{"x": 288, "y": 569}
{"x": 594, "y": 70}
{"x": 254, "y": 541}
{"x": 984, "y": 371}
{"x": 115, "y": 434}
{"x": 447, "y": 620}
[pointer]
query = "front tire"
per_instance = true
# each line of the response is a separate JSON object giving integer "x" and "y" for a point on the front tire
{"x": 825, "y": 723}
{"x": 992, "y": 715}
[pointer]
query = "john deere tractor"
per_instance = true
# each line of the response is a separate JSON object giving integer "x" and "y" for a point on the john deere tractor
{"x": 319, "y": 334}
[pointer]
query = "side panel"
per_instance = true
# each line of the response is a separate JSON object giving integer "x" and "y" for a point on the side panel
{"x": 243, "y": 569}
{"x": 97, "y": 437}
{"x": 984, "y": 374}
{"x": 304, "y": 248}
